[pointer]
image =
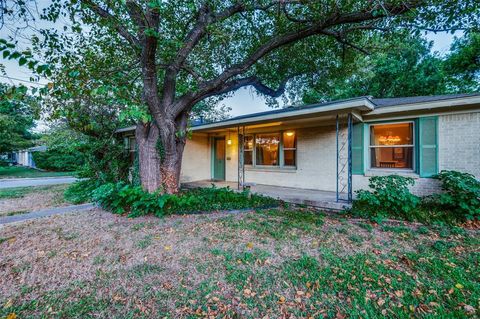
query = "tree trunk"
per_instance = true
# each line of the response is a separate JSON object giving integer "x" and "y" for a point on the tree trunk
{"x": 159, "y": 157}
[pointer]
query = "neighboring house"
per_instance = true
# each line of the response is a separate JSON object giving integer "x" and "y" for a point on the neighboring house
{"x": 337, "y": 146}
{"x": 25, "y": 157}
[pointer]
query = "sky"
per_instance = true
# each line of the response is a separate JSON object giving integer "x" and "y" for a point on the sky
{"x": 244, "y": 101}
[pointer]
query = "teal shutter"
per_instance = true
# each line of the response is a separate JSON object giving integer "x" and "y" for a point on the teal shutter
{"x": 357, "y": 149}
{"x": 428, "y": 148}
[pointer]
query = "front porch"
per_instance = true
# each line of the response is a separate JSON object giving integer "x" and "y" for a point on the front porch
{"x": 310, "y": 197}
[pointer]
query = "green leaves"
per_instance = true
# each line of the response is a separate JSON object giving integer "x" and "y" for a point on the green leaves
{"x": 123, "y": 198}
{"x": 22, "y": 61}
{"x": 461, "y": 194}
{"x": 390, "y": 196}
{"x": 18, "y": 111}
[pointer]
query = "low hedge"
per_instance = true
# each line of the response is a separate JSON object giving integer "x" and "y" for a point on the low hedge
{"x": 124, "y": 198}
{"x": 390, "y": 197}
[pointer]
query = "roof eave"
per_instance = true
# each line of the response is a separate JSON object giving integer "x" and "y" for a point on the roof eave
{"x": 362, "y": 104}
{"x": 455, "y": 102}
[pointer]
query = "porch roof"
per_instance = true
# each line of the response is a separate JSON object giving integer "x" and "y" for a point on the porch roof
{"x": 360, "y": 106}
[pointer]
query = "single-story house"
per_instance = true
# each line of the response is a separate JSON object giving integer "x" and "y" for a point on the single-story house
{"x": 336, "y": 146}
{"x": 25, "y": 157}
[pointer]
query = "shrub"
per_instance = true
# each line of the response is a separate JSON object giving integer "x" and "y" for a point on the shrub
{"x": 389, "y": 196}
{"x": 121, "y": 198}
{"x": 81, "y": 191}
{"x": 461, "y": 194}
{"x": 58, "y": 160}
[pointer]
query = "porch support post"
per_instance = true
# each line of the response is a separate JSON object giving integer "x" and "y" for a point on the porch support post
{"x": 350, "y": 130}
{"x": 336, "y": 136}
{"x": 241, "y": 166}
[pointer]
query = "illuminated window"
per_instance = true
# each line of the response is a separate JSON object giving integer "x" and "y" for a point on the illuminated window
{"x": 248, "y": 150}
{"x": 289, "y": 148}
{"x": 392, "y": 145}
{"x": 266, "y": 149}
{"x": 270, "y": 149}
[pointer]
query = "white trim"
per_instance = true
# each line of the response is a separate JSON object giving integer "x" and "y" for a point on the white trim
{"x": 415, "y": 116}
{"x": 369, "y": 147}
{"x": 126, "y": 129}
{"x": 426, "y": 105}
{"x": 393, "y": 171}
{"x": 363, "y": 104}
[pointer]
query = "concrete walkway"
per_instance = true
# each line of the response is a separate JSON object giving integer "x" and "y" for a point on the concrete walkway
{"x": 309, "y": 197}
{"x": 27, "y": 182}
{"x": 45, "y": 213}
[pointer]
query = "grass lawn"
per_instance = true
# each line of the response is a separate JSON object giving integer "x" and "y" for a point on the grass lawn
{"x": 25, "y": 172}
{"x": 21, "y": 200}
{"x": 275, "y": 263}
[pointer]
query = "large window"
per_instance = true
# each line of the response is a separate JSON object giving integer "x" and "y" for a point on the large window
{"x": 392, "y": 145}
{"x": 270, "y": 149}
{"x": 266, "y": 149}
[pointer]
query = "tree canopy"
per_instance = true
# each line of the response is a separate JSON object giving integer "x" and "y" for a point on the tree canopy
{"x": 403, "y": 66}
{"x": 18, "y": 112}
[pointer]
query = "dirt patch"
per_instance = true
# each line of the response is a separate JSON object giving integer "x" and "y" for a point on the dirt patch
{"x": 34, "y": 199}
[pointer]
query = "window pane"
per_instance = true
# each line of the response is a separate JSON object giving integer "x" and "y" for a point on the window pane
{"x": 392, "y": 157}
{"x": 289, "y": 157}
{"x": 391, "y": 134}
{"x": 289, "y": 140}
{"x": 247, "y": 158}
{"x": 248, "y": 142}
{"x": 133, "y": 145}
{"x": 267, "y": 149}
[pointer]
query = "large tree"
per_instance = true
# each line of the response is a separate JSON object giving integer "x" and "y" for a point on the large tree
{"x": 187, "y": 51}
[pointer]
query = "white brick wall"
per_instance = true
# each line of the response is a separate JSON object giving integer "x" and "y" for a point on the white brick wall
{"x": 459, "y": 142}
{"x": 196, "y": 159}
{"x": 316, "y": 162}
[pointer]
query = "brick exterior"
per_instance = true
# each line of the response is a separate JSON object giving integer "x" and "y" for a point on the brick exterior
{"x": 459, "y": 142}
{"x": 458, "y": 145}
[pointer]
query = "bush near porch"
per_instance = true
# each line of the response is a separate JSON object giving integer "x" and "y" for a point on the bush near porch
{"x": 390, "y": 197}
{"x": 124, "y": 198}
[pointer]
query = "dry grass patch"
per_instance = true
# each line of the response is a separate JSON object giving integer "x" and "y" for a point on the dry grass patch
{"x": 275, "y": 263}
{"x": 26, "y": 199}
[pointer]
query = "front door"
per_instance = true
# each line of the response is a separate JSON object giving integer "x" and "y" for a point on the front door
{"x": 219, "y": 158}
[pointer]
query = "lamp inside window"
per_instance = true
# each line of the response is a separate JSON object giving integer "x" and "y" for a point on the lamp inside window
{"x": 392, "y": 145}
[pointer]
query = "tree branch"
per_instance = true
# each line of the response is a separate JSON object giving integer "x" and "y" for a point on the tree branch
{"x": 256, "y": 83}
{"x": 134, "y": 42}
{"x": 278, "y": 41}
{"x": 340, "y": 37}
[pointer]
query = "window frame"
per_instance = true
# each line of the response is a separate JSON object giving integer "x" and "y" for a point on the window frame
{"x": 413, "y": 146}
{"x": 281, "y": 150}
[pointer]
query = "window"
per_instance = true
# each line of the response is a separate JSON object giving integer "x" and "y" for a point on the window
{"x": 132, "y": 148}
{"x": 248, "y": 150}
{"x": 392, "y": 146}
{"x": 270, "y": 149}
{"x": 289, "y": 148}
{"x": 266, "y": 149}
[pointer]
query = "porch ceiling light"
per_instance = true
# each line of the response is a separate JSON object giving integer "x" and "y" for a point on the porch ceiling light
{"x": 229, "y": 142}
{"x": 289, "y": 133}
